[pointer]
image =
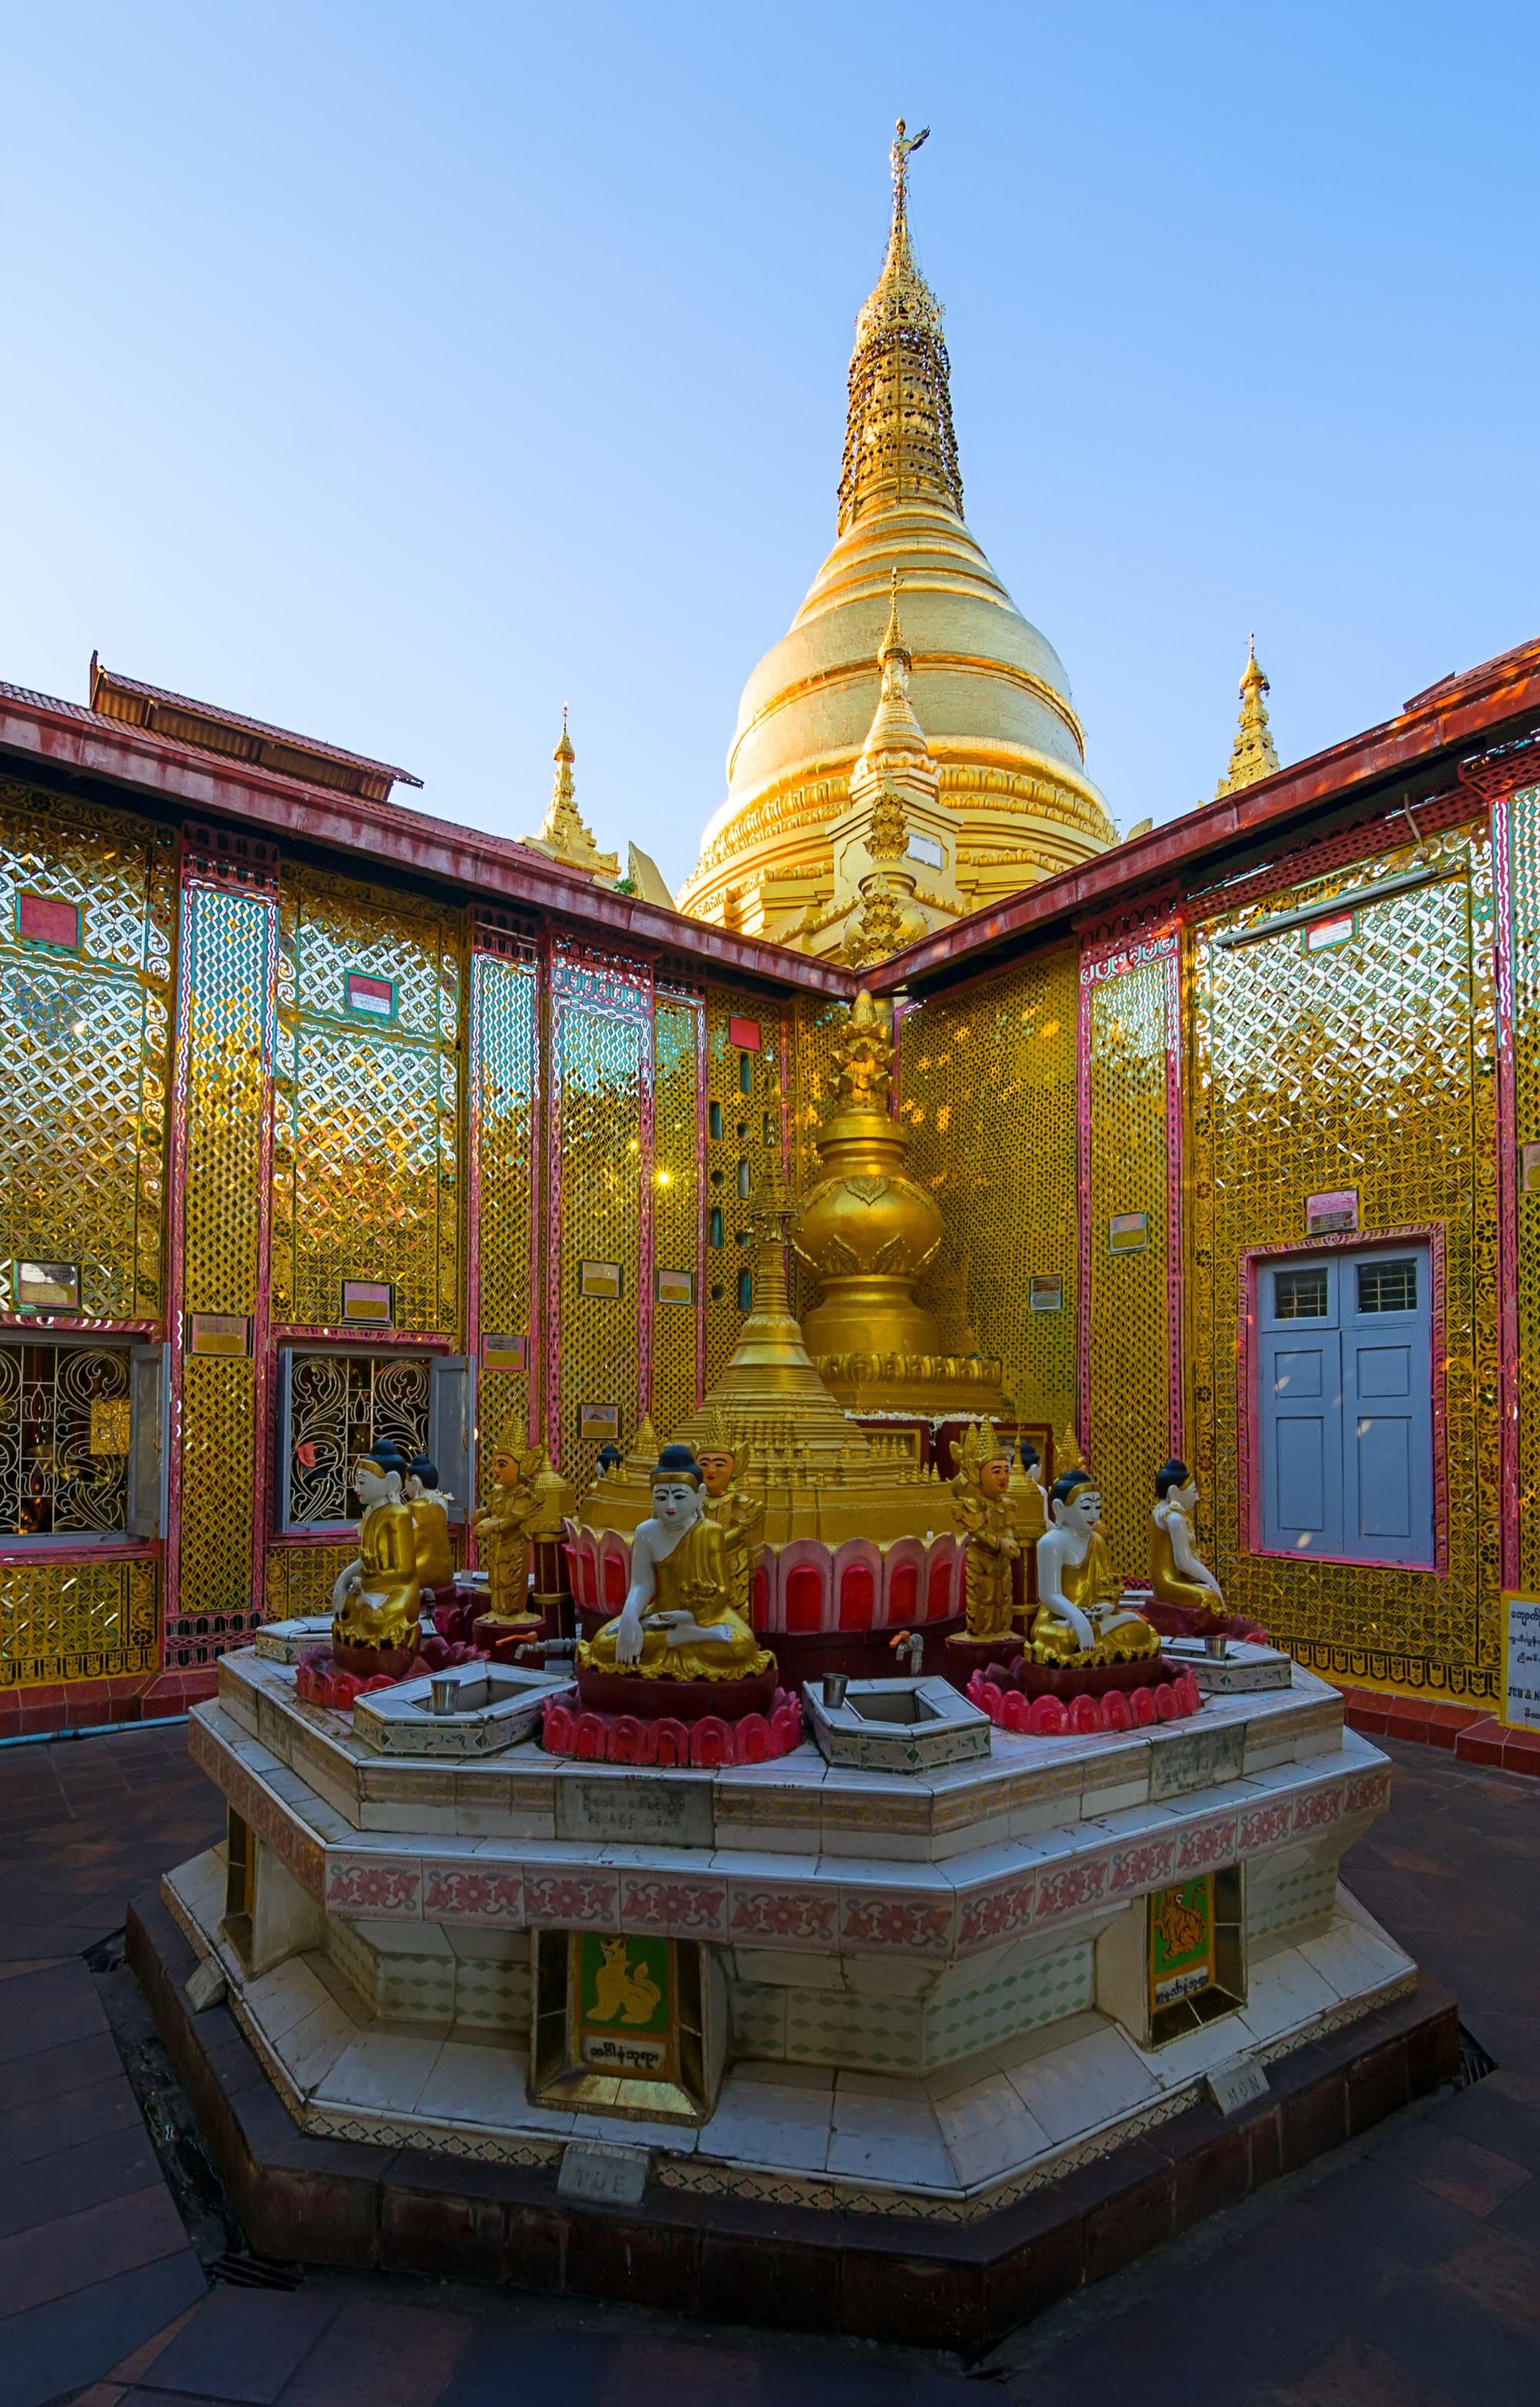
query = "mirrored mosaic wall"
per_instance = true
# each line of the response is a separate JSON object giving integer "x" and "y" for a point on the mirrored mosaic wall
{"x": 986, "y": 1086}
{"x": 1367, "y": 1067}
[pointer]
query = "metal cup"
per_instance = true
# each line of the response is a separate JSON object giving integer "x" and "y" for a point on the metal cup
{"x": 444, "y": 1689}
{"x": 1218, "y": 1645}
{"x": 834, "y": 1686}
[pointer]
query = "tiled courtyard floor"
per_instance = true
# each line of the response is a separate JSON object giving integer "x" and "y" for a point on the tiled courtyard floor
{"x": 1408, "y": 2274}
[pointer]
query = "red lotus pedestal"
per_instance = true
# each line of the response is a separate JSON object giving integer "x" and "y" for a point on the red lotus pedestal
{"x": 683, "y": 1701}
{"x": 364, "y": 1661}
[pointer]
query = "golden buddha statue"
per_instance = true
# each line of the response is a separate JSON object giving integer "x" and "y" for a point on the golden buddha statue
{"x": 737, "y": 1515}
{"x": 431, "y": 1521}
{"x": 503, "y": 1527}
{"x": 1080, "y": 1617}
{"x": 374, "y": 1598}
{"x": 677, "y": 1622}
{"x": 1177, "y": 1573}
{"x": 987, "y": 1517}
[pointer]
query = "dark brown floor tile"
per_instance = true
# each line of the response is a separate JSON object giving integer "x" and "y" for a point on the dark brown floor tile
{"x": 71, "y": 2179}
{"x": 1438, "y": 2335}
{"x": 680, "y": 2373}
{"x": 245, "y": 2345}
{"x": 49, "y": 2260}
{"x": 1350, "y": 2373}
{"x": 53, "y": 2350}
{"x": 376, "y": 2355}
{"x": 1500, "y": 2272}
{"x": 1456, "y": 2169}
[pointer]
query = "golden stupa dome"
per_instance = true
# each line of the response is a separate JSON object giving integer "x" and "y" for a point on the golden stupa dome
{"x": 988, "y": 691}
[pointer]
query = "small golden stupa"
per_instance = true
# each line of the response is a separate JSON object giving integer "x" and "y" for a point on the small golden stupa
{"x": 867, "y": 1231}
{"x": 819, "y": 1475}
{"x": 1253, "y": 755}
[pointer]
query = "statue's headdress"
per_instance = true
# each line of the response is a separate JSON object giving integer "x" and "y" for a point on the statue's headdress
{"x": 385, "y": 1456}
{"x": 675, "y": 1462}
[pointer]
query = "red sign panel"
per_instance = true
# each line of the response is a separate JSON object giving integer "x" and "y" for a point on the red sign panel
{"x": 746, "y": 1035}
{"x": 41, "y": 920}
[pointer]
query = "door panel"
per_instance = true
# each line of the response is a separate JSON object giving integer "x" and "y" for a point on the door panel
{"x": 1385, "y": 1476}
{"x": 1302, "y": 1442}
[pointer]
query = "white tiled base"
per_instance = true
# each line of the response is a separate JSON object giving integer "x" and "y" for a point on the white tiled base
{"x": 947, "y": 2144}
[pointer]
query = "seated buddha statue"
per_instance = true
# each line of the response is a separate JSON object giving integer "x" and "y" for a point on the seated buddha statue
{"x": 738, "y": 1515}
{"x": 1080, "y": 1617}
{"x": 1177, "y": 1573}
{"x": 429, "y": 1519}
{"x": 375, "y": 1600}
{"x": 985, "y": 1514}
{"x": 677, "y": 1622}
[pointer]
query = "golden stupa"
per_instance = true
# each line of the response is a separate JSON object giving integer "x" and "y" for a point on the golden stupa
{"x": 867, "y": 1232}
{"x": 819, "y": 1475}
{"x": 1000, "y": 753}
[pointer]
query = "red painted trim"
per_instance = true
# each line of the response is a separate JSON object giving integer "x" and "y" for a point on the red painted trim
{"x": 56, "y": 1324}
{"x": 703, "y": 1158}
{"x": 1248, "y": 1420}
{"x": 473, "y": 1223}
{"x": 1509, "y": 1406}
{"x": 646, "y": 1147}
{"x": 1461, "y": 714}
{"x": 264, "y": 1511}
{"x": 175, "y": 1220}
{"x": 380, "y": 1339}
{"x": 74, "y": 1547}
{"x": 486, "y": 867}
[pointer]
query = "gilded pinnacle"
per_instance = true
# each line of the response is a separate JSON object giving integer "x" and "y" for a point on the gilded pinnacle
{"x": 1253, "y": 755}
{"x": 899, "y": 444}
{"x": 563, "y": 835}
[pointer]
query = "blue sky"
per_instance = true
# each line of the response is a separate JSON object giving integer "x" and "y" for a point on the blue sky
{"x": 400, "y": 373}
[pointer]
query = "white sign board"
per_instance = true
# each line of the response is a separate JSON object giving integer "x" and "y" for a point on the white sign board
{"x": 1521, "y": 1706}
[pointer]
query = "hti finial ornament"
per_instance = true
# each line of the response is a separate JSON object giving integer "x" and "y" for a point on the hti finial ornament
{"x": 901, "y": 154}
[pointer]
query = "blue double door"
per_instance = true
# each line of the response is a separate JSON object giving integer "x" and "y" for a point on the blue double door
{"x": 1346, "y": 1396}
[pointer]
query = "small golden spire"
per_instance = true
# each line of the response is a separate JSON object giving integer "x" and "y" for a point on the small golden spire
{"x": 893, "y": 646}
{"x": 1253, "y": 755}
{"x": 563, "y": 835}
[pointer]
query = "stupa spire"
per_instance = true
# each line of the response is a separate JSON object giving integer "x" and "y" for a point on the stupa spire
{"x": 564, "y": 834}
{"x": 1253, "y": 755}
{"x": 899, "y": 444}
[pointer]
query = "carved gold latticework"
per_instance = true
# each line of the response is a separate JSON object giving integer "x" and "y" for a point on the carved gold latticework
{"x": 743, "y": 1141}
{"x": 1128, "y": 1435}
{"x": 366, "y": 1137}
{"x": 598, "y": 1073}
{"x": 676, "y": 1032}
{"x": 986, "y": 1084}
{"x": 1369, "y": 1065}
{"x": 228, "y": 938}
{"x": 85, "y": 1039}
{"x": 507, "y": 1053}
{"x": 77, "y": 1621}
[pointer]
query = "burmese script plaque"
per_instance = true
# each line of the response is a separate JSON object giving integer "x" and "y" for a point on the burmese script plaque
{"x": 647, "y": 1809}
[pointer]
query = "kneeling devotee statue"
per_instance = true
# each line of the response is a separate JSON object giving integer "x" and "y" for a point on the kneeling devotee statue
{"x": 503, "y": 1531}
{"x": 986, "y": 1516}
{"x": 677, "y": 1622}
{"x": 737, "y": 1515}
{"x": 1080, "y": 1617}
{"x": 375, "y": 1600}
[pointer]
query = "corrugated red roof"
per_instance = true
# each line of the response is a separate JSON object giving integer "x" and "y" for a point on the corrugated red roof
{"x": 156, "y": 697}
